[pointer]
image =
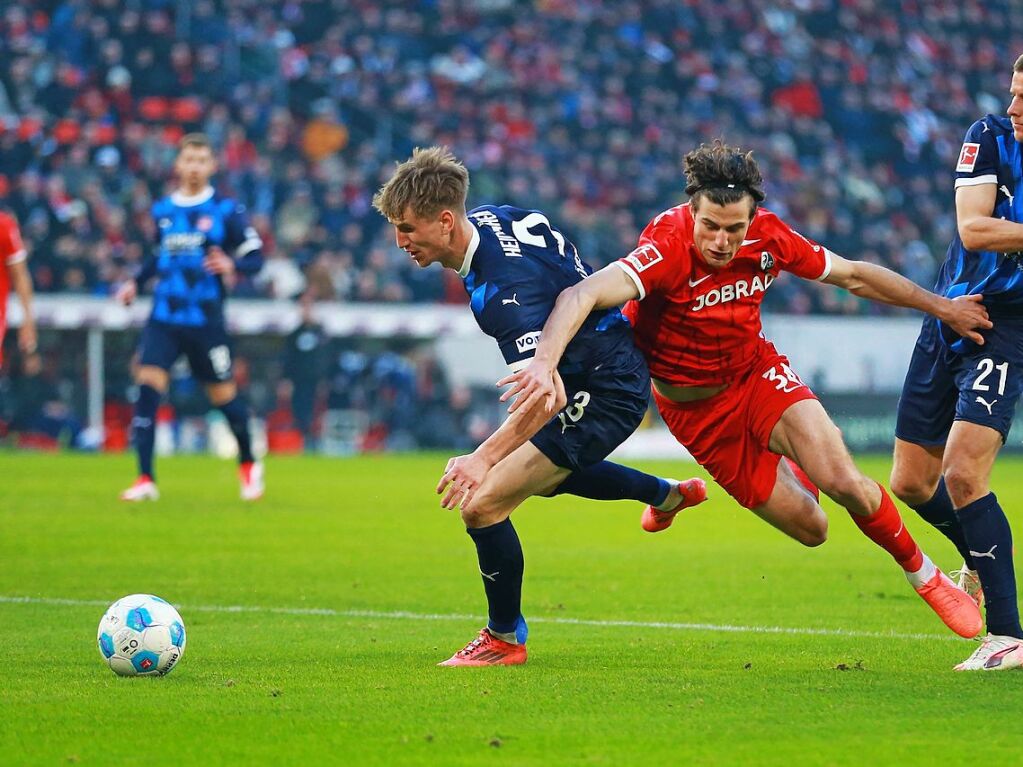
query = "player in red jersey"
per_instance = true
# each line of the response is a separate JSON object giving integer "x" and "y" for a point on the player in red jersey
{"x": 694, "y": 286}
{"x": 15, "y": 272}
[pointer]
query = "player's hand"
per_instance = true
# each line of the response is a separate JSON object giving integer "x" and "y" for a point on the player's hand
{"x": 534, "y": 383}
{"x": 464, "y": 474}
{"x": 127, "y": 293}
{"x": 967, "y": 316}
{"x": 27, "y": 339}
{"x": 218, "y": 262}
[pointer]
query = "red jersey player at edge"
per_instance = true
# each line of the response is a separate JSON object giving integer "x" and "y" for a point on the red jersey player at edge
{"x": 694, "y": 286}
{"x": 14, "y": 272}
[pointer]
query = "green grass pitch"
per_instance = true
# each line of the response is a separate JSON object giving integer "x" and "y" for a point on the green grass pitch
{"x": 716, "y": 642}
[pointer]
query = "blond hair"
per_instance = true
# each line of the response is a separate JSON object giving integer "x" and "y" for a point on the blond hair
{"x": 199, "y": 140}
{"x": 430, "y": 181}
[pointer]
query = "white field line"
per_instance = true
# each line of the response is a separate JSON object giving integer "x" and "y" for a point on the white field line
{"x": 402, "y": 615}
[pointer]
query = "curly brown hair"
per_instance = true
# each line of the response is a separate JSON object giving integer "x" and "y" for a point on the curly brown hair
{"x": 430, "y": 181}
{"x": 723, "y": 174}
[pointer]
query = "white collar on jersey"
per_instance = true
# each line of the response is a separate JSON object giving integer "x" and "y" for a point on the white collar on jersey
{"x": 474, "y": 242}
{"x": 186, "y": 201}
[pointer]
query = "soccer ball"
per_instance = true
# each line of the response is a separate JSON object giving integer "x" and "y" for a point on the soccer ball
{"x": 141, "y": 635}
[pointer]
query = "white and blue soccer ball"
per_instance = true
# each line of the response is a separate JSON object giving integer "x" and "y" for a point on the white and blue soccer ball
{"x": 141, "y": 635}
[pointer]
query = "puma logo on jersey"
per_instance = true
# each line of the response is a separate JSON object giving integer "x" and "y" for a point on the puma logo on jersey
{"x": 1005, "y": 190}
{"x": 990, "y": 553}
{"x": 987, "y": 404}
{"x": 513, "y": 300}
{"x": 738, "y": 289}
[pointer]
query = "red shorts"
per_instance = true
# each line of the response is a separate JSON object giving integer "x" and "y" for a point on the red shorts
{"x": 729, "y": 433}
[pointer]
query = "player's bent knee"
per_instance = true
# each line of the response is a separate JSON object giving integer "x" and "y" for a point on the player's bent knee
{"x": 963, "y": 485}
{"x": 221, "y": 393}
{"x": 486, "y": 510}
{"x": 149, "y": 375}
{"x": 911, "y": 490}
{"x": 814, "y": 532}
{"x": 848, "y": 488}
{"x": 476, "y": 518}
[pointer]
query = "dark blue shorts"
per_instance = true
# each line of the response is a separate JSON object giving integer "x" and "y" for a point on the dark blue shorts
{"x": 980, "y": 384}
{"x": 604, "y": 408}
{"x": 208, "y": 349}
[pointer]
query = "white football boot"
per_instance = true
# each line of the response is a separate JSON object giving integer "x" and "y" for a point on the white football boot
{"x": 996, "y": 653}
{"x": 251, "y": 477}
{"x": 144, "y": 489}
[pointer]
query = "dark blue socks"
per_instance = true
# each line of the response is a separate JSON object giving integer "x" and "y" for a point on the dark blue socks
{"x": 987, "y": 531}
{"x": 606, "y": 481}
{"x": 237, "y": 415}
{"x": 500, "y": 557}
{"x": 940, "y": 512}
{"x": 143, "y": 428}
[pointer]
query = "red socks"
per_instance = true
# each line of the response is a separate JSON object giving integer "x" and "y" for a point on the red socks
{"x": 885, "y": 528}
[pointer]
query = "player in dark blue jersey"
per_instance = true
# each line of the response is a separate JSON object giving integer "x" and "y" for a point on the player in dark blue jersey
{"x": 959, "y": 397}
{"x": 203, "y": 240}
{"x": 514, "y": 263}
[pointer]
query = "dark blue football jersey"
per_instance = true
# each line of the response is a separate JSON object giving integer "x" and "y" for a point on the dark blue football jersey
{"x": 990, "y": 155}
{"x": 515, "y": 267}
{"x": 185, "y": 293}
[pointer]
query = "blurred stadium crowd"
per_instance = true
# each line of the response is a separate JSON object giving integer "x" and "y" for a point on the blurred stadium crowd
{"x": 856, "y": 109}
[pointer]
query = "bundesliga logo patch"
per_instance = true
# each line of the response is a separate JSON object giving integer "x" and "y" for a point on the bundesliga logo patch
{"x": 644, "y": 257}
{"x": 968, "y": 158}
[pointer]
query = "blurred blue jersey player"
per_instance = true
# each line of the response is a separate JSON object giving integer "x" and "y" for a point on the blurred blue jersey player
{"x": 959, "y": 398}
{"x": 514, "y": 263}
{"x": 203, "y": 239}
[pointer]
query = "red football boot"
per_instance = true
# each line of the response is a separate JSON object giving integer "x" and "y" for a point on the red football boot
{"x": 693, "y": 492}
{"x": 955, "y": 607}
{"x": 487, "y": 650}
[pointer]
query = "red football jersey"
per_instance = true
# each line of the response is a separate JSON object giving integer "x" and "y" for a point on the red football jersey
{"x": 700, "y": 326}
{"x": 11, "y": 252}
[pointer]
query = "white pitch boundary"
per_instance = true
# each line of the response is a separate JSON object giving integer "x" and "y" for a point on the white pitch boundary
{"x": 402, "y": 615}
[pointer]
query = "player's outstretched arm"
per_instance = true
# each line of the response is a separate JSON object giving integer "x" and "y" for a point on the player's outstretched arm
{"x": 609, "y": 287}
{"x": 978, "y": 227}
{"x": 464, "y": 474}
{"x": 21, "y": 280}
{"x": 965, "y": 315}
